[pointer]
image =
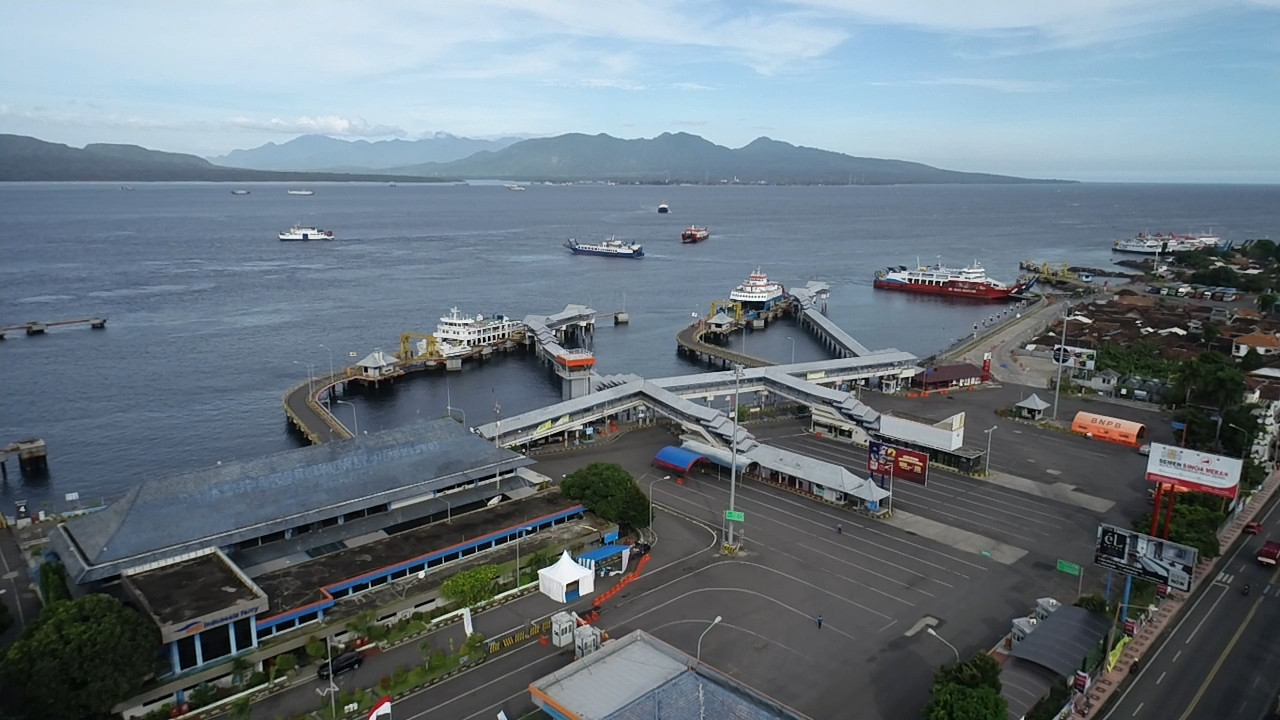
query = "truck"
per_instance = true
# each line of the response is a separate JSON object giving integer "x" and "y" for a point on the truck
{"x": 1270, "y": 553}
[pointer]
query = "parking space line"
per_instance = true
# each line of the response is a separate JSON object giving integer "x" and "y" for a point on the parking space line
{"x": 848, "y": 579}
{"x": 867, "y": 570}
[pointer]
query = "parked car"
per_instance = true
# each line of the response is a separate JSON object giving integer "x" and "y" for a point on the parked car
{"x": 343, "y": 663}
{"x": 1252, "y": 528}
{"x": 1144, "y": 449}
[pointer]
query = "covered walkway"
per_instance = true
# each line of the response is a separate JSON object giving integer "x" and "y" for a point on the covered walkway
{"x": 678, "y": 459}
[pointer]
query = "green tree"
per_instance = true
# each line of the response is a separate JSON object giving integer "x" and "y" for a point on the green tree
{"x": 1267, "y": 302}
{"x": 283, "y": 665}
{"x": 6, "y": 618}
{"x": 1261, "y": 249}
{"x": 53, "y": 582}
{"x": 610, "y": 492}
{"x": 471, "y": 586}
{"x": 1211, "y": 380}
{"x": 1094, "y": 603}
{"x": 80, "y": 658}
{"x": 241, "y": 709}
{"x": 951, "y": 701}
{"x": 981, "y": 670}
{"x": 1253, "y": 360}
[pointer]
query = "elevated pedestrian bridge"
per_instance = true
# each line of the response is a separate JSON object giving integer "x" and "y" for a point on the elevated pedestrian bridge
{"x": 812, "y": 299}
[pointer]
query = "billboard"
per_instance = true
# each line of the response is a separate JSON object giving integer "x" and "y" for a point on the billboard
{"x": 884, "y": 460}
{"x": 1142, "y": 556}
{"x": 1075, "y": 357}
{"x": 1194, "y": 470}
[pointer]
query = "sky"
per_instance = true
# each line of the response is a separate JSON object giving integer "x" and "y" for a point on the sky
{"x": 1101, "y": 90}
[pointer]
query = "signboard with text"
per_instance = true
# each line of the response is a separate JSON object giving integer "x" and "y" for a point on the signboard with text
{"x": 1075, "y": 357}
{"x": 1144, "y": 556}
{"x": 885, "y": 461}
{"x": 1194, "y": 470}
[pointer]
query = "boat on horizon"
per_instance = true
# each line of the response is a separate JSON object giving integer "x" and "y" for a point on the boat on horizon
{"x": 239, "y": 192}
{"x": 302, "y": 192}
{"x": 612, "y": 247}
{"x": 297, "y": 233}
{"x": 663, "y": 209}
{"x": 694, "y": 234}
{"x": 1160, "y": 243}
{"x": 970, "y": 281}
{"x": 516, "y": 187}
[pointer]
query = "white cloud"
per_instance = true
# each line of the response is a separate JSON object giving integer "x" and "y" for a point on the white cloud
{"x": 323, "y": 125}
{"x": 691, "y": 86}
{"x": 996, "y": 84}
{"x": 611, "y": 83}
{"x": 326, "y": 125}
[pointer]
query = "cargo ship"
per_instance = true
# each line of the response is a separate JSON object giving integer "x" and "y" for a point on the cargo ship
{"x": 612, "y": 247}
{"x": 694, "y": 234}
{"x": 970, "y": 282}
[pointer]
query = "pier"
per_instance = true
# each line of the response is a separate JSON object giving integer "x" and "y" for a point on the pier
{"x": 811, "y": 303}
{"x": 575, "y": 325}
{"x": 39, "y": 328}
{"x": 33, "y": 458}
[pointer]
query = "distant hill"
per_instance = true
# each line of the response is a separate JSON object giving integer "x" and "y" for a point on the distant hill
{"x": 682, "y": 157}
{"x": 27, "y": 158}
{"x": 321, "y": 152}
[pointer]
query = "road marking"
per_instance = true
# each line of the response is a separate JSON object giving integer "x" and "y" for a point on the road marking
{"x": 468, "y": 694}
{"x": 1266, "y": 589}
{"x": 1223, "y": 579}
{"x": 1160, "y": 678}
{"x": 1138, "y": 709}
{"x": 922, "y": 623}
{"x": 1200, "y": 624}
{"x": 1176, "y": 656}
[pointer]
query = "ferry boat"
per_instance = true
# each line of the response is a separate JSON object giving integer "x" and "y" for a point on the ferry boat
{"x": 1157, "y": 243}
{"x": 297, "y": 232}
{"x": 612, "y": 247}
{"x": 663, "y": 209}
{"x": 514, "y": 187}
{"x": 970, "y": 282}
{"x": 758, "y": 293}
{"x": 693, "y": 234}
{"x": 239, "y": 192}
{"x": 459, "y": 334}
{"x": 302, "y": 192}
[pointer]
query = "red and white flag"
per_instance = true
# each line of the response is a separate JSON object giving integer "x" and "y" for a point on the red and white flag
{"x": 381, "y": 711}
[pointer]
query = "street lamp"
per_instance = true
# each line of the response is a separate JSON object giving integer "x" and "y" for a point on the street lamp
{"x": 698, "y": 657}
{"x": 934, "y": 633}
{"x": 993, "y": 429}
{"x": 330, "y": 353}
{"x": 1057, "y": 385}
{"x": 519, "y": 537}
{"x": 355, "y": 421}
{"x": 793, "y": 349}
{"x": 311, "y": 377}
{"x": 664, "y": 477}
{"x": 733, "y": 468}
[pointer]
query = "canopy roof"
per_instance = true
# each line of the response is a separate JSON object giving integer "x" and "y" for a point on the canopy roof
{"x": 565, "y": 570}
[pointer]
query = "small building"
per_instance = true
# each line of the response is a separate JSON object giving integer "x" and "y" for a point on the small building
{"x": 1262, "y": 343}
{"x": 639, "y": 677}
{"x": 377, "y": 365}
{"x": 1032, "y": 408}
{"x": 720, "y": 323}
{"x": 566, "y": 581}
{"x": 946, "y": 377}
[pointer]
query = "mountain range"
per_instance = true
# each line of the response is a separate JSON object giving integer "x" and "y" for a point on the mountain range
{"x": 323, "y": 153}
{"x": 667, "y": 158}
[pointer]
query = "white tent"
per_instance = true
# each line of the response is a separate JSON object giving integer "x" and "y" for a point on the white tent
{"x": 566, "y": 581}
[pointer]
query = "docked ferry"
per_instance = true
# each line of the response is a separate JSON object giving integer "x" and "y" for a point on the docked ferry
{"x": 1158, "y": 243}
{"x": 305, "y": 233}
{"x": 970, "y": 282}
{"x": 612, "y": 247}
{"x": 458, "y": 334}
{"x": 693, "y": 234}
{"x": 758, "y": 293}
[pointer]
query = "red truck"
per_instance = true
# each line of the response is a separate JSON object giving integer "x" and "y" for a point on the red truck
{"x": 1270, "y": 553}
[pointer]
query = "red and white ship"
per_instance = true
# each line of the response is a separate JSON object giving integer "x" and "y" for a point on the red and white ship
{"x": 694, "y": 234}
{"x": 969, "y": 282}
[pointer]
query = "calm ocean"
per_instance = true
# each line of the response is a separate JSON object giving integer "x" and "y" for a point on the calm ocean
{"x": 211, "y": 318}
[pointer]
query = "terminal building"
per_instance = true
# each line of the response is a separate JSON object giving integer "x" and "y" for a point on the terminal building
{"x": 226, "y": 558}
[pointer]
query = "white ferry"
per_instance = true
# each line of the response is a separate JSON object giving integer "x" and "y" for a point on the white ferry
{"x": 299, "y": 233}
{"x": 612, "y": 247}
{"x": 302, "y": 192}
{"x": 459, "y": 334}
{"x": 758, "y": 293}
{"x": 1157, "y": 243}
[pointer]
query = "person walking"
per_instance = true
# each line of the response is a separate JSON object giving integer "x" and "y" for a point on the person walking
{"x": 819, "y": 622}
{"x": 839, "y": 529}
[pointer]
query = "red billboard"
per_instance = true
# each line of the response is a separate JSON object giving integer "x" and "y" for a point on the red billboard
{"x": 887, "y": 462}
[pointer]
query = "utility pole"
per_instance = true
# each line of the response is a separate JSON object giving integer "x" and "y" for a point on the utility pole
{"x": 733, "y": 467}
{"x": 1057, "y": 385}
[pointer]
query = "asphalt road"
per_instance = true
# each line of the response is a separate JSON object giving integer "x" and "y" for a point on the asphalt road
{"x": 1221, "y": 661}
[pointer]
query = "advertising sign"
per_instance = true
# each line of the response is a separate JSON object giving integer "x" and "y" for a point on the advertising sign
{"x": 1146, "y": 557}
{"x": 1194, "y": 470}
{"x": 884, "y": 460}
{"x": 1075, "y": 357}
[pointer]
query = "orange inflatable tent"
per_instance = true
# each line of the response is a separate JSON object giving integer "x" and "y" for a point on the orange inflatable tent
{"x": 1102, "y": 427}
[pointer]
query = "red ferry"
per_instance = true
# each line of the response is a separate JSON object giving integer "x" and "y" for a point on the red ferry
{"x": 694, "y": 234}
{"x": 970, "y": 282}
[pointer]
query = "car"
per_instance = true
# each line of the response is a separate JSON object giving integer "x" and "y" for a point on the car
{"x": 1252, "y": 528}
{"x": 343, "y": 663}
{"x": 1145, "y": 449}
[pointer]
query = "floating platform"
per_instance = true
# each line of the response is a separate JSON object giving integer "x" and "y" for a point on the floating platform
{"x": 36, "y": 327}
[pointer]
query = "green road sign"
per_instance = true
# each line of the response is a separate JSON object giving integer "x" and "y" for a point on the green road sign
{"x": 734, "y": 516}
{"x": 1069, "y": 568}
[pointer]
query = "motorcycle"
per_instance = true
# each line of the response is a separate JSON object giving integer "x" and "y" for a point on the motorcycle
{"x": 1246, "y": 589}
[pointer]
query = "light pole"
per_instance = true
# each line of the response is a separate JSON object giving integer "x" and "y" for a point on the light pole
{"x": 311, "y": 377}
{"x": 993, "y": 429}
{"x": 733, "y": 465}
{"x": 520, "y": 537}
{"x": 934, "y": 633}
{"x": 664, "y": 477}
{"x": 793, "y": 349}
{"x": 448, "y": 401}
{"x": 329, "y": 397}
{"x": 355, "y": 421}
{"x": 448, "y": 510}
{"x": 1057, "y": 385}
{"x": 698, "y": 656}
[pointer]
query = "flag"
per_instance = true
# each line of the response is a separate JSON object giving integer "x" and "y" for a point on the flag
{"x": 381, "y": 711}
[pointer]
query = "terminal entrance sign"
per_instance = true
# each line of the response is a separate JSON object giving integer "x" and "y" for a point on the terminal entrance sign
{"x": 734, "y": 516}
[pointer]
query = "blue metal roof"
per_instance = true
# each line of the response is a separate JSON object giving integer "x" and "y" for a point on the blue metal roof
{"x": 603, "y": 552}
{"x": 677, "y": 458}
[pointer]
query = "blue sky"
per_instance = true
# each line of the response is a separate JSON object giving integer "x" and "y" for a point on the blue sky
{"x": 1124, "y": 90}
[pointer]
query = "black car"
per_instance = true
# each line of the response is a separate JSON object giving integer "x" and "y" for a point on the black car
{"x": 344, "y": 662}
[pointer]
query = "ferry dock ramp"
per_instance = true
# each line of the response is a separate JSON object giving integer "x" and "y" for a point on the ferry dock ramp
{"x": 561, "y": 341}
{"x": 704, "y": 339}
{"x": 38, "y": 328}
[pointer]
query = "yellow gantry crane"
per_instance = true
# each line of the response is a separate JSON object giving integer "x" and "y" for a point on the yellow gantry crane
{"x": 407, "y": 353}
